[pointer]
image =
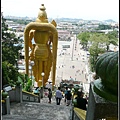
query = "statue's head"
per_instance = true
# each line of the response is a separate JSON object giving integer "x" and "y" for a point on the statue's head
{"x": 42, "y": 15}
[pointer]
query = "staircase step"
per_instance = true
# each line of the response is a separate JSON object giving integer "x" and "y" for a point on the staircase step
{"x": 38, "y": 111}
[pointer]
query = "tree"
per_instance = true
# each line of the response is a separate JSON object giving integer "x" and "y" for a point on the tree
{"x": 9, "y": 74}
{"x": 95, "y": 50}
{"x": 113, "y": 34}
{"x": 84, "y": 37}
{"x": 10, "y": 44}
{"x": 104, "y": 27}
{"x": 112, "y": 38}
{"x": 98, "y": 43}
{"x": 9, "y": 55}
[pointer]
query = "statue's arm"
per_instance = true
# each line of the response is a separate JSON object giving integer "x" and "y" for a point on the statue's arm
{"x": 50, "y": 38}
{"x": 54, "y": 23}
{"x": 51, "y": 35}
{"x": 31, "y": 35}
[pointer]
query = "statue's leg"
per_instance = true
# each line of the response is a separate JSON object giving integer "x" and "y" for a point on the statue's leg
{"x": 46, "y": 73}
{"x": 37, "y": 73}
{"x": 47, "y": 67}
{"x": 40, "y": 70}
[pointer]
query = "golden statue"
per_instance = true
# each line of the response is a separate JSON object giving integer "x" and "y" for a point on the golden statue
{"x": 45, "y": 35}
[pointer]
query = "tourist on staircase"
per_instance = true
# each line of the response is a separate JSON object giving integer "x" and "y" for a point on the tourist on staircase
{"x": 81, "y": 102}
{"x": 58, "y": 96}
{"x": 68, "y": 97}
{"x": 66, "y": 93}
{"x": 49, "y": 95}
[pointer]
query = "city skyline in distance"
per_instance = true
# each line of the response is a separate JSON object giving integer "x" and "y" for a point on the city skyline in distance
{"x": 61, "y": 19}
{"x": 86, "y": 10}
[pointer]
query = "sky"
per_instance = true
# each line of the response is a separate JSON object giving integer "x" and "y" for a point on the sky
{"x": 82, "y": 9}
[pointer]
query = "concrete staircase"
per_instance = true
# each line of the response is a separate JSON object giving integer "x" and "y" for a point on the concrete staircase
{"x": 39, "y": 111}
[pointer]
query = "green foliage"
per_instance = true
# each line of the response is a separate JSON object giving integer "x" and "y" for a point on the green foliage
{"x": 96, "y": 48}
{"x": 9, "y": 55}
{"x": 25, "y": 81}
{"x": 26, "y": 78}
{"x": 99, "y": 44}
{"x": 9, "y": 74}
{"x": 9, "y": 49}
{"x": 28, "y": 85}
{"x": 104, "y": 27}
{"x": 92, "y": 63}
{"x": 98, "y": 38}
{"x": 21, "y": 79}
{"x": 84, "y": 37}
{"x": 5, "y": 77}
{"x": 112, "y": 36}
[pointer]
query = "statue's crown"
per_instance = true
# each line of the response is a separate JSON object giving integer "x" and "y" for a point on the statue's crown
{"x": 42, "y": 13}
{"x": 42, "y": 7}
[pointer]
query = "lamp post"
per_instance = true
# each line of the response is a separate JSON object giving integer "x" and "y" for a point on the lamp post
{"x": 42, "y": 74}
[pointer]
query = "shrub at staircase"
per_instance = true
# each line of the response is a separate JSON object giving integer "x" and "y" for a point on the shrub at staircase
{"x": 9, "y": 74}
{"x": 28, "y": 84}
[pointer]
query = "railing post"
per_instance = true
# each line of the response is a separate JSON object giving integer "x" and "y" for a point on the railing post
{"x": 72, "y": 112}
{"x": 7, "y": 102}
{"x": 18, "y": 93}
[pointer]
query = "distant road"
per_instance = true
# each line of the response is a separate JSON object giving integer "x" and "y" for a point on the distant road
{"x": 71, "y": 62}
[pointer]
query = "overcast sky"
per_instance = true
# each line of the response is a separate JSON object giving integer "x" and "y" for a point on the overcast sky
{"x": 83, "y": 9}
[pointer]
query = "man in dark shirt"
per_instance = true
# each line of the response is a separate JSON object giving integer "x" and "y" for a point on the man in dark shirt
{"x": 81, "y": 102}
{"x": 68, "y": 97}
{"x": 66, "y": 93}
{"x": 49, "y": 95}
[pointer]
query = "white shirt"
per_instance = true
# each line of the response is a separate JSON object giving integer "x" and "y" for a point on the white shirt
{"x": 58, "y": 94}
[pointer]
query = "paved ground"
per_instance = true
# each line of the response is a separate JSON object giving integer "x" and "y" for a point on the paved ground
{"x": 39, "y": 111}
{"x": 73, "y": 56}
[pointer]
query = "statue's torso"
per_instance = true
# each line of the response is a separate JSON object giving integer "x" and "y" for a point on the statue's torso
{"x": 41, "y": 39}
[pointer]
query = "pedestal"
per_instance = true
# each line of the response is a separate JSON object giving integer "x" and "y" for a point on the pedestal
{"x": 99, "y": 107}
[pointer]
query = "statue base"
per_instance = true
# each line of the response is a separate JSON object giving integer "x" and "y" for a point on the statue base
{"x": 101, "y": 91}
{"x": 99, "y": 107}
